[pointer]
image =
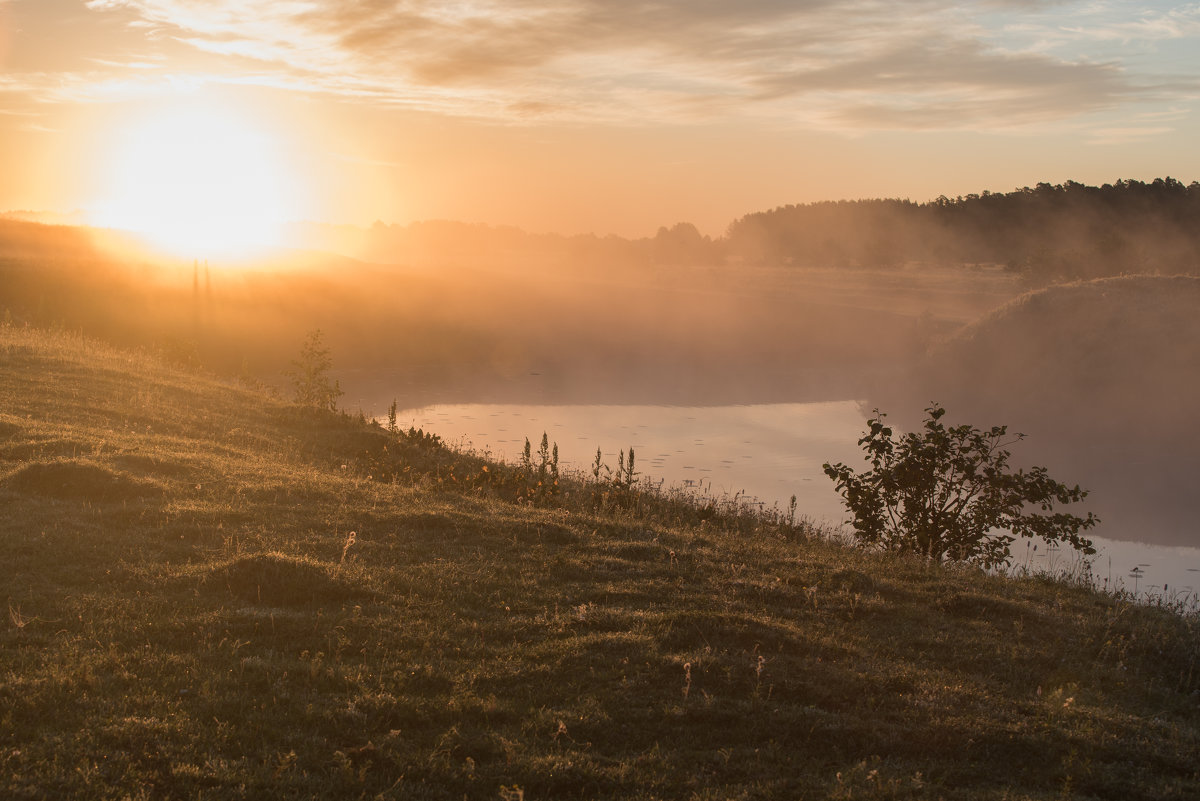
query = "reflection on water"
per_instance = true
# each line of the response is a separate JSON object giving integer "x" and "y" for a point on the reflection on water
{"x": 767, "y": 452}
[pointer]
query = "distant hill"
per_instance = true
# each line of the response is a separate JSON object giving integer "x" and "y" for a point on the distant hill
{"x": 1103, "y": 375}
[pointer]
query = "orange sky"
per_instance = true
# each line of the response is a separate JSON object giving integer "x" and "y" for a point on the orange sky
{"x": 604, "y": 116}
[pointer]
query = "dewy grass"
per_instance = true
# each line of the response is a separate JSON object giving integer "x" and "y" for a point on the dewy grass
{"x": 225, "y": 636}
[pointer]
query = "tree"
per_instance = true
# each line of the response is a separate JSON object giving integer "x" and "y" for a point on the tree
{"x": 948, "y": 493}
{"x": 310, "y": 375}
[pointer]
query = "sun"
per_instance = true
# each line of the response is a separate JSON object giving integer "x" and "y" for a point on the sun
{"x": 198, "y": 182}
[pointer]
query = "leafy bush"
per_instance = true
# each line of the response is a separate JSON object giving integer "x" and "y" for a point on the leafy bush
{"x": 948, "y": 493}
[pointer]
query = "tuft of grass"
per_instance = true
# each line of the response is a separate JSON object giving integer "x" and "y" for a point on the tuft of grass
{"x": 76, "y": 479}
{"x": 274, "y": 579}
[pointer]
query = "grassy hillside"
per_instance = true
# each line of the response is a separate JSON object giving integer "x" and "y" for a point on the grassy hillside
{"x": 210, "y": 595}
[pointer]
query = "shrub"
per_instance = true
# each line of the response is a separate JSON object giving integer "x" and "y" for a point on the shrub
{"x": 392, "y": 427}
{"x": 310, "y": 375}
{"x": 948, "y": 493}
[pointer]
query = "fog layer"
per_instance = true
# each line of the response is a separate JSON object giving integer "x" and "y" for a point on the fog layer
{"x": 1103, "y": 377}
{"x": 598, "y": 331}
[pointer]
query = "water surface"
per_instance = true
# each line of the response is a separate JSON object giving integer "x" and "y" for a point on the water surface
{"x": 765, "y": 453}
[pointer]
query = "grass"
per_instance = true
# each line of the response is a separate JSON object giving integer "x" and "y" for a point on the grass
{"x": 213, "y": 595}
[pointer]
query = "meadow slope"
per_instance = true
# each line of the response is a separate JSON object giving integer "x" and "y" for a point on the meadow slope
{"x": 189, "y": 615}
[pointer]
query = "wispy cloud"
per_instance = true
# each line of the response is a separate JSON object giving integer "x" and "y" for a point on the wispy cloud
{"x": 1126, "y": 135}
{"x": 128, "y": 65}
{"x": 817, "y": 63}
{"x": 1108, "y": 21}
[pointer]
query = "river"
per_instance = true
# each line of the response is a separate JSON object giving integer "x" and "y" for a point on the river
{"x": 764, "y": 452}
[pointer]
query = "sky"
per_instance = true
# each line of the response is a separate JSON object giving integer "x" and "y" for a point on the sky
{"x": 577, "y": 116}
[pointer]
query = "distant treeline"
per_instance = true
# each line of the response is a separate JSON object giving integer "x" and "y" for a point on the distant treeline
{"x": 1048, "y": 233}
{"x": 459, "y": 304}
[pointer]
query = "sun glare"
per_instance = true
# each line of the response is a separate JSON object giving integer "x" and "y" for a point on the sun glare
{"x": 198, "y": 183}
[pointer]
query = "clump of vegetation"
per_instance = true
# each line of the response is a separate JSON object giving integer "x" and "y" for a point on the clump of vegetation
{"x": 616, "y": 487}
{"x": 315, "y": 389}
{"x": 948, "y": 493}
{"x": 276, "y": 580}
{"x": 540, "y": 478}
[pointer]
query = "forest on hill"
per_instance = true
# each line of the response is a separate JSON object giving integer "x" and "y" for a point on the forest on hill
{"x": 1047, "y": 233}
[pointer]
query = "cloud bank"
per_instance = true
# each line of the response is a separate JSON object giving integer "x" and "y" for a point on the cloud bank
{"x": 857, "y": 65}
